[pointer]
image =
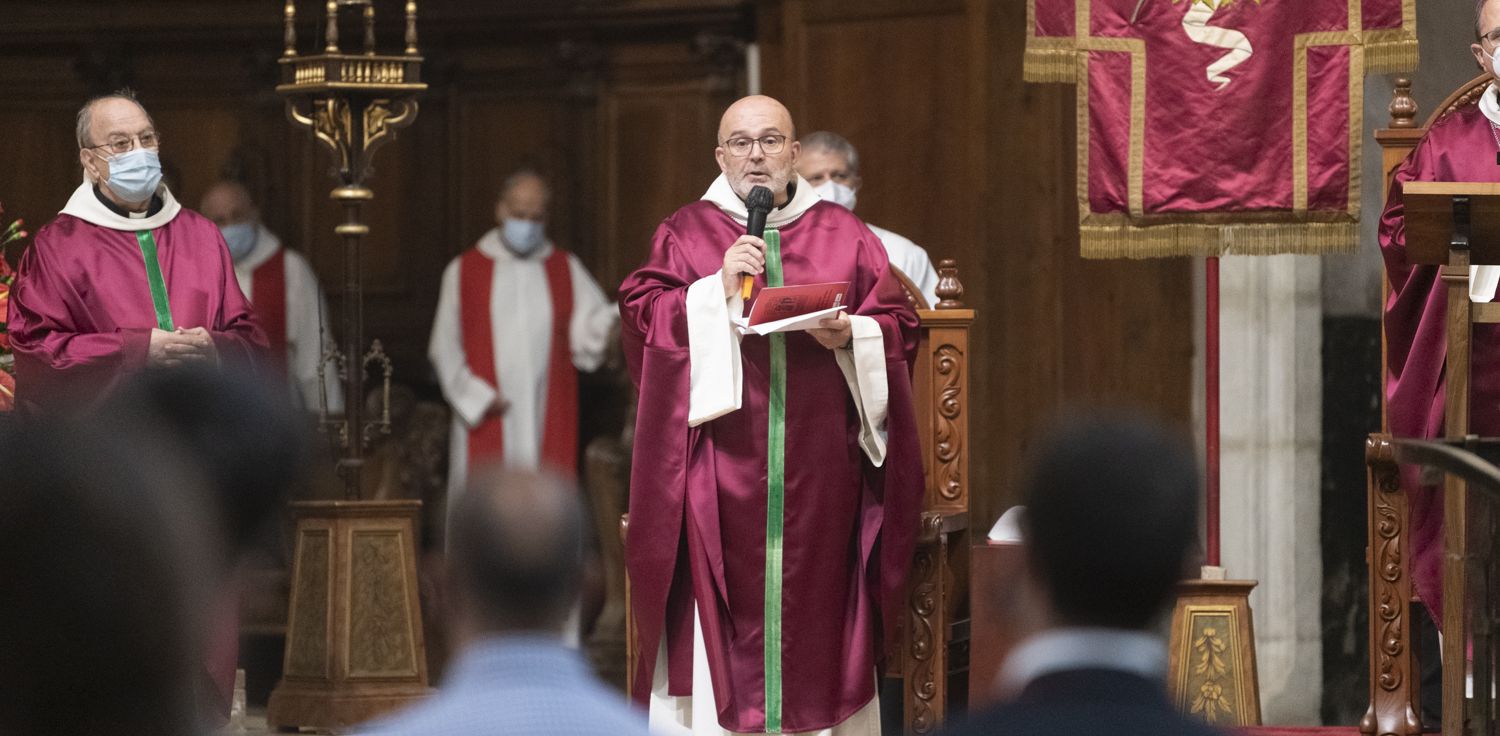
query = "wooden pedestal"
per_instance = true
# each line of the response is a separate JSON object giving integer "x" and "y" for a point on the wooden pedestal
{"x": 1211, "y": 657}
{"x": 354, "y": 647}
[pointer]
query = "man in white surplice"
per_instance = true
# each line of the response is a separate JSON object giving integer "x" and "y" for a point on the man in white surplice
{"x": 284, "y": 291}
{"x": 512, "y": 386}
{"x": 830, "y": 163}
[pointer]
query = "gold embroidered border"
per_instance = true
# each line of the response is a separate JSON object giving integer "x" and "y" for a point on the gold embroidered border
{"x": 1193, "y": 239}
{"x": 1299, "y": 107}
{"x": 1046, "y": 59}
{"x": 1394, "y": 49}
{"x": 1135, "y": 184}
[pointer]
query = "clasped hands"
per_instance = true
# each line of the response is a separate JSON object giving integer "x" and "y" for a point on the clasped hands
{"x": 181, "y": 346}
{"x": 747, "y": 257}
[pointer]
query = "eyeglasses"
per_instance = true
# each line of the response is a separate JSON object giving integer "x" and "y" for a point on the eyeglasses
{"x": 1493, "y": 37}
{"x": 769, "y": 145}
{"x": 121, "y": 144}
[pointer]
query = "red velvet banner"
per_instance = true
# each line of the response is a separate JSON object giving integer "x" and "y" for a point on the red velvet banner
{"x": 1209, "y": 127}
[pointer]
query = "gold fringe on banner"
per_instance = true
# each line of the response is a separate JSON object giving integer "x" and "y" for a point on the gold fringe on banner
{"x": 1050, "y": 64}
{"x": 1397, "y": 55}
{"x": 1191, "y": 239}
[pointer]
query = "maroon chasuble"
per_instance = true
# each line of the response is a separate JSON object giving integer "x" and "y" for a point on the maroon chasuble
{"x": 1460, "y": 147}
{"x": 81, "y": 311}
{"x": 268, "y": 297}
{"x": 560, "y": 425}
{"x": 699, "y": 495}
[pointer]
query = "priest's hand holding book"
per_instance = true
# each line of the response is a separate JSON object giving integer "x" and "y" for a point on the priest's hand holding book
{"x": 833, "y": 332}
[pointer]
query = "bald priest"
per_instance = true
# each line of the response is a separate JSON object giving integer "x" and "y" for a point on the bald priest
{"x": 124, "y": 277}
{"x": 776, "y": 485}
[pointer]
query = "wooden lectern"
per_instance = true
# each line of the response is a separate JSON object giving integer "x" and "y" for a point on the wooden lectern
{"x": 1454, "y": 225}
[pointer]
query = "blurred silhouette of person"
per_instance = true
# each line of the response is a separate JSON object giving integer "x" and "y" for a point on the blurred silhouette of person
{"x": 106, "y": 575}
{"x": 242, "y": 434}
{"x": 1111, "y": 516}
{"x": 514, "y": 564}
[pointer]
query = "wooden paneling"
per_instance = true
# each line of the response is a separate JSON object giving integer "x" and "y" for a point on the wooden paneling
{"x": 658, "y": 144}
{"x": 961, "y": 156}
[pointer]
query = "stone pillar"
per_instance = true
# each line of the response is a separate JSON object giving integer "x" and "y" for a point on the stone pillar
{"x": 1271, "y": 331}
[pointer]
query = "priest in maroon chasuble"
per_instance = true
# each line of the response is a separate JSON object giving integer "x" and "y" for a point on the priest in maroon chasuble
{"x": 1463, "y": 146}
{"x": 124, "y": 277}
{"x": 777, "y": 485}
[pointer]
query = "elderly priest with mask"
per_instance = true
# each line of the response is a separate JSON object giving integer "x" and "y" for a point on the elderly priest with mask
{"x": 124, "y": 277}
{"x": 776, "y": 485}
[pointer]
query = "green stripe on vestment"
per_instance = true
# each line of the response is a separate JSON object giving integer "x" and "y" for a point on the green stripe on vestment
{"x": 775, "y": 497}
{"x": 153, "y": 277}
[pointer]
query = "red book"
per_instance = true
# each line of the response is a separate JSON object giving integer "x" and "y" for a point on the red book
{"x": 788, "y": 308}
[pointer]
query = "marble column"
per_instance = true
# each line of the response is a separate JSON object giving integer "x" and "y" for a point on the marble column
{"x": 1271, "y": 391}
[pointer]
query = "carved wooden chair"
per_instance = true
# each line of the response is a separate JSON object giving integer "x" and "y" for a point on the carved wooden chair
{"x": 935, "y": 643}
{"x": 1394, "y": 671}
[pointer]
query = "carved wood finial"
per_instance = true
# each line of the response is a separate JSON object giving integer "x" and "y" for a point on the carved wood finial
{"x": 1403, "y": 107}
{"x": 949, "y": 289}
{"x": 290, "y": 36}
{"x": 411, "y": 27}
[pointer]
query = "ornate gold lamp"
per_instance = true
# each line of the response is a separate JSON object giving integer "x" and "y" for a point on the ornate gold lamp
{"x": 354, "y": 647}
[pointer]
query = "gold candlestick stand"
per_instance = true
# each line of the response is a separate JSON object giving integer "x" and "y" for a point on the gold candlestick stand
{"x": 354, "y": 647}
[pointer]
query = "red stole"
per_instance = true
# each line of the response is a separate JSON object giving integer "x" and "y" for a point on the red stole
{"x": 560, "y": 423}
{"x": 268, "y": 299}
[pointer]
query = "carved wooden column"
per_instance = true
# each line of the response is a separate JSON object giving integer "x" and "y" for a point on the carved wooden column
{"x": 1394, "y": 678}
{"x": 937, "y": 613}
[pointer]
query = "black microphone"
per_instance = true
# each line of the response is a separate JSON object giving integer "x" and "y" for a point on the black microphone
{"x": 759, "y": 204}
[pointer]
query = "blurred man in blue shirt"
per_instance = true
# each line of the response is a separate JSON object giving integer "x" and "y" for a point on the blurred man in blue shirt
{"x": 515, "y": 558}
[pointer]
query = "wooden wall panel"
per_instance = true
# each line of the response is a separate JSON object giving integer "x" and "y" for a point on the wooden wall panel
{"x": 38, "y": 163}
{"x": 896, "y": 88}
{"x": 658, "y": 144}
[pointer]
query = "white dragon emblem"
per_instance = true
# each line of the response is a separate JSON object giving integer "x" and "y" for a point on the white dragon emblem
{"x": 1195, "y": 25}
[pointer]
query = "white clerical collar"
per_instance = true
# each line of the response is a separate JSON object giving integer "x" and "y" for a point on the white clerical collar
{"x": 721, "y": 194}
{"x": 1059, "y": 650}
{"x": 1489, "y": 103}
{"x": 85, "y": 206}
{"x": 266, "y": 245}
{"x": 490, "y": 245}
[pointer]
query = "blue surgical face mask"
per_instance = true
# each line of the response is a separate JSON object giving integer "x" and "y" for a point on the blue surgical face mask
{"x": 240, "y": 237}
{"x": 836, "y": 193}
{"x": 523, "y": 236}
{"x": 134, "y": 176}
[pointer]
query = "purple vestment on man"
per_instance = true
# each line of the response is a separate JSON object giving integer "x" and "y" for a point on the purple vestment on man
{"x": 81, "y": 311}
{"x": 1460, "y": 147}
{"x": 698, "y": 500}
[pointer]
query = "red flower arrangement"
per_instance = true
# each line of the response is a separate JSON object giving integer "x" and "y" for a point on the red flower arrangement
{"x": 9, "y": 234}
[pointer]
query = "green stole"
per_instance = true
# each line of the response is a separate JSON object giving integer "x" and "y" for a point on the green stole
{"x": 776, "y": 496}
{"x": 153, "y": 277}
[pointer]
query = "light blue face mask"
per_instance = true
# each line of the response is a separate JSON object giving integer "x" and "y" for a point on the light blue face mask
{"x": 134, "y": 176}
{"x": 523, "y": 236}
{"x": 241, "y": 238}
